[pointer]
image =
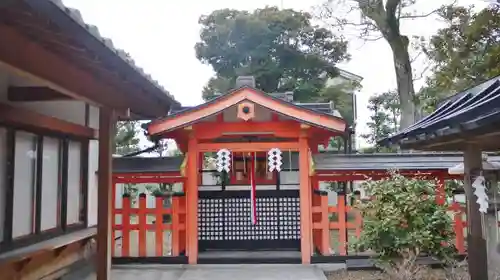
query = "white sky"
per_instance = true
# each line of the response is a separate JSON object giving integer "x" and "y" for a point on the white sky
{"x": 160, "y": 35}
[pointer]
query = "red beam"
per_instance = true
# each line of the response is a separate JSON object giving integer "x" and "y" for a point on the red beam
{"x": 285, "y": 129}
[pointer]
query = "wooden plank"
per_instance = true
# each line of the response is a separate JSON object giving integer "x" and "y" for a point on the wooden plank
{"x": 24, "y": 118}
{"x": 48, "y": 245}
{"x": 104, "y": 194}
{"x": 24, "y": 94}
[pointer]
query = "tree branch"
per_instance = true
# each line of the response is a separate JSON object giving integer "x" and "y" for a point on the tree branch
{"x": 427, "y": 14}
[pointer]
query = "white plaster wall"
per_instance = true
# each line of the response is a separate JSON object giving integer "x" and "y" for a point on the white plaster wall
{"x": 3, "y": 158}
{"x": 93, "y": 117}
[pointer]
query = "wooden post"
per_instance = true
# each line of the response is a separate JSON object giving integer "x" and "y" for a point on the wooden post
{"x": 141, "y": 213}
{"x": 159, "y": 226}
{"x": 192, "y": 201}
{"x": 476, "y": 243}
{"x": 104, "y": 194}
{"x": 305, "y": 201}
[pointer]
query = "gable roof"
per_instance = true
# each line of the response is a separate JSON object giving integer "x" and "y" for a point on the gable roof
{"x": 300, "y": 113}
{"x": 470, "y": 110}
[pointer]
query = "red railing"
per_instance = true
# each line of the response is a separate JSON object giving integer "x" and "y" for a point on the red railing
{"x": 176, "y": 226}
{"x": 343, "y": 225}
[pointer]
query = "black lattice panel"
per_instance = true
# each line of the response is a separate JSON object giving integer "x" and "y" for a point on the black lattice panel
{"x": 289, "y": 218}
{"x": 224, "y": 220}
{"x": 210, "y": 219}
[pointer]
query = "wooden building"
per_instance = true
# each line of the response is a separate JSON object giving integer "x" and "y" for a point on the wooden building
{"x": 211, "y": 212}
{"x": 62, "y": 87}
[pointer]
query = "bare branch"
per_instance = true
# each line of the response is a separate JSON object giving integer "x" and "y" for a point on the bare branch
{"x": 422, "y": 73}
{"x": 416, "y": 57}
{"x": 426, "y": 14}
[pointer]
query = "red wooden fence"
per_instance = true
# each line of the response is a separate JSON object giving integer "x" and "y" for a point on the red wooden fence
{"x": 177, "y": 226}
{"x": 342, "y": 225}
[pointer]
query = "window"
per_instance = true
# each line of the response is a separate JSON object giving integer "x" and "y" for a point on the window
{"x": 74, "y": 183}
{"x": 51, "y": 183}
{"x": 24, "y": 184}
{"x": 42, "y": 187}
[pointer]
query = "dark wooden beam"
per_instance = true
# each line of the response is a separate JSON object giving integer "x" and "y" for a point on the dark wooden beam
{"x": 104, "y": 193}
{"x": 23, "y": 118}
{"x": 476, "y": 241}
{"x": 26, "y": 94}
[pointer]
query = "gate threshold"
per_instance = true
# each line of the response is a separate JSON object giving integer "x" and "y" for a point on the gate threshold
{"x": 249, "y": 257}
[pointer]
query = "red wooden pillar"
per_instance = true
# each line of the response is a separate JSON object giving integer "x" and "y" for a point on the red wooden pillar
{"x": 305, "y": 201}
{"x": 192, "y": 201}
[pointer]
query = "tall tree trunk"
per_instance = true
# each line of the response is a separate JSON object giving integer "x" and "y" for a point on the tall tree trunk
{"x": 404, "y": 79}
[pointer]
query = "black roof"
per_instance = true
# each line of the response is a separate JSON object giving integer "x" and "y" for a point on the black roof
{"x": 146, "y": 164}
{"x": 323, "y": 161}
{"x": 469, "y": 111}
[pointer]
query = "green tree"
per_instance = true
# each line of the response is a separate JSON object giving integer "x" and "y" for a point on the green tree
{"x": 382, "y": 19}
{"x": 127, "y": 141}
{"x": 280, "y": 48}
{"x": 464, "y": 53}
{"x": 384, "y": 119}
{"x": 126, "y": 138}
{"x": 403, "y": 219}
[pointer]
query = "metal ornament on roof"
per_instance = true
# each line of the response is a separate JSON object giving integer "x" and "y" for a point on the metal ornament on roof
{"x": 223, "y": 160}
{"x": 480, "y": 193}
{"x": 274, "y": 159}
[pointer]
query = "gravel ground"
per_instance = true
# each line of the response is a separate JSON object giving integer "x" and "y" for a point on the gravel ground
{"x": 374, "y": 275}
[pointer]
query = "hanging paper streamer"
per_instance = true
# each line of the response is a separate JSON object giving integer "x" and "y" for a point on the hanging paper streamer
{"x": 480, "y": 192}
{"x": 275, "y": 159}
{"x": 223, "y": 160}
{"x": 253, "y": 187}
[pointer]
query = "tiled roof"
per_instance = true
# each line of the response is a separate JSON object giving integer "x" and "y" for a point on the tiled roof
{"x": 75, "y": 15}
{"x": 469, "y": 110}
{"x": 406, "y": 161}
{"x": 324, "y": 161}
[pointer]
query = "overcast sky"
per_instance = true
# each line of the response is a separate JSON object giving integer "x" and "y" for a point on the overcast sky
{"x": 160, "y": 35}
